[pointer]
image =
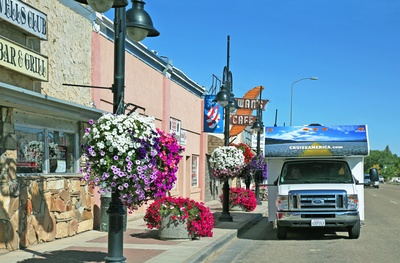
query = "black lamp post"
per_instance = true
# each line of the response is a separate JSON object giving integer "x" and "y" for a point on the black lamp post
{"x": 225, "y": 98}
{"x": 258, "y": 127}
{"x": 137, "y": 24}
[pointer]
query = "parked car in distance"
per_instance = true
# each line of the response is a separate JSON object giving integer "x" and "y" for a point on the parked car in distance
{"x": 381, "y": 179}
{"x": 368, "y": 183}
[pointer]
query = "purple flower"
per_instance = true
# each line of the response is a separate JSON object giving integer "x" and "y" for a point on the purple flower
{"x": 137, "y": 175}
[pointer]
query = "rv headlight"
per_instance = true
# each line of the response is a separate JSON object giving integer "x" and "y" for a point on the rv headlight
{"x": 352, "y": 202}
{"x": 282, "y": 202}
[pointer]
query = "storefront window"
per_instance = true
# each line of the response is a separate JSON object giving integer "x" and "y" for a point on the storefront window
{"x": 62, "y": 149}
{"x": 195, "y": 170}
{"x": 30, "y": 150}
{"x": 42, "y": 150}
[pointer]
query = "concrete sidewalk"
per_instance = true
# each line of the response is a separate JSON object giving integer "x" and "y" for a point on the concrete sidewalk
{"x": 140, "y": 243}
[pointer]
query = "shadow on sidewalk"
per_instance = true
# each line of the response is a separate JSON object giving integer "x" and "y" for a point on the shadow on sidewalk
{"x": 66, "y": 256}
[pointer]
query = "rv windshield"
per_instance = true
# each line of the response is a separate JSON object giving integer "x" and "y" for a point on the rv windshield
{"x": 315, "y": 171}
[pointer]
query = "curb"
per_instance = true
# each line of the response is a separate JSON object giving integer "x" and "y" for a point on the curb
{"x": 212, "y": 248}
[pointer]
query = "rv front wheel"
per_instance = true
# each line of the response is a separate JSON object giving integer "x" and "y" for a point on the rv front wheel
{"x": 354, "y": 231}
{"x": 281, "y": 232}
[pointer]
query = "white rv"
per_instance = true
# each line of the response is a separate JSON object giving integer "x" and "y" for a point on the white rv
{"x": 316, "y": 176}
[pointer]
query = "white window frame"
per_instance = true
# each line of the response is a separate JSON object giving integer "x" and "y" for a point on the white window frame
{"x": 46, "y": 123}
{"x": 194, "y": 171}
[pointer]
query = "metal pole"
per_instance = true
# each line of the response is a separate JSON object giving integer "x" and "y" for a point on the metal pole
{"x": 291, "y": 104}
{"x": 225, "y": 215}
{"x": 116, "y": 211}
{"x": 291, "y": 97}
{"x": 258, "y": 175}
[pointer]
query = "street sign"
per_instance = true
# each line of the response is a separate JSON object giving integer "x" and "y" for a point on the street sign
{"x": 250, "y": 103}
{"x": 242, "y": 120}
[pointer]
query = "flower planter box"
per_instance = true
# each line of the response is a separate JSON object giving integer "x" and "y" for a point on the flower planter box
{"x": 236, "y": 209}
{"x": 171, "y": 229}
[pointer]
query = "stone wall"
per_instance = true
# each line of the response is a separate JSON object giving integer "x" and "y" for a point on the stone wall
{"x": 9, "y": 200}
{"x": 42, "y": 209}
{"x": 53, "y": 208}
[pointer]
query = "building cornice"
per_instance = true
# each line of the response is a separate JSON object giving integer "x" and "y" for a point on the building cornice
{"x": 30, "y": 101}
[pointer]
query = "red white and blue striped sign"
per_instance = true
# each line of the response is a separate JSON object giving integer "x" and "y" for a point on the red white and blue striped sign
{"x": 213, "y": 115}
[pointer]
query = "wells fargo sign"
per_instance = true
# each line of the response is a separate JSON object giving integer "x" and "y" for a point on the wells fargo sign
{"x": 22, "y": 60}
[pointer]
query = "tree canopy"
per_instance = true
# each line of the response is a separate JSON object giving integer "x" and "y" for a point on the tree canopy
{"x": 388, "y": 164}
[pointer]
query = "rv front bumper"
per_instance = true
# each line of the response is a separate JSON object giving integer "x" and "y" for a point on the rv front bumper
{"x": 321, "y": 219}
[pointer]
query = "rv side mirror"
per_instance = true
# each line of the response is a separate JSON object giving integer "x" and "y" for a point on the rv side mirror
{"x": 276, "y": 181}
{"x": 373, "y": 174}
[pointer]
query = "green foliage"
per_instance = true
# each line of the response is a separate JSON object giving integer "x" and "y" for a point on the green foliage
{"x": 388, "y": 164}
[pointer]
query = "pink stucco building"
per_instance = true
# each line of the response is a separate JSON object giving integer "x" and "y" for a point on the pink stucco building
{"x": 43, "y": 110}
{"x": 156, "y": 88}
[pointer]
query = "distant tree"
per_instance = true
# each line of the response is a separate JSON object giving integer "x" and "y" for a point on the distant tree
{"x": 388, "y": 164}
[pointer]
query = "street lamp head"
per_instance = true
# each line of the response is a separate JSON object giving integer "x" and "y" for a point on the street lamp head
{"x": 314, "y": 78}
{"x": 223, "y": 98}
{"x": 257, "y": 126}
{"x": 233, "y": 105}
{"x": 102, "y": 6}
{"x": 138, "y": 22}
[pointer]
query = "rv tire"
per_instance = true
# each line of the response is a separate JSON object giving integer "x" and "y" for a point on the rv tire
{"x": 354, "y": 231}
{"x": 281, "y": 232}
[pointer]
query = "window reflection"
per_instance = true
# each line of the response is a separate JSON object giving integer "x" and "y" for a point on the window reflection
{"x": 40, "y": 154}
{"x": 30, "y": 150}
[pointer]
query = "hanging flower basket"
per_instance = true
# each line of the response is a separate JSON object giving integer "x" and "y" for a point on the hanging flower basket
{"x": 259, "y": 163}
{"x": 227, "y": 162}
{"x": 128, "y": 155}
{"x": 247, "y": 152}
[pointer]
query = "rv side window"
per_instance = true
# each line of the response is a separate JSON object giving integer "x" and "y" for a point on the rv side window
{"x": 315, "y": 171}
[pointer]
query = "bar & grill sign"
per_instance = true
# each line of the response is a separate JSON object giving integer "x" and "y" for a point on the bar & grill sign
{"x": 22, "y": 60}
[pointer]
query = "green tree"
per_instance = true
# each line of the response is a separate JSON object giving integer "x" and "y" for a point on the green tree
{"x": 388, "y": 164}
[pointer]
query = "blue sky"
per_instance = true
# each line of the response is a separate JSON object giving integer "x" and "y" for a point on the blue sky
{"x": 352, "y": 46}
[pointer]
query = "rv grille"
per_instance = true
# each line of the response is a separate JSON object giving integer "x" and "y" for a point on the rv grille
{"x": 314, "y": 200}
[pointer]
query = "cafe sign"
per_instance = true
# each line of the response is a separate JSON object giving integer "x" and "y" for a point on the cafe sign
{"x": 22, "y": 60}
{"x": 246, "y": 103}
{"x": 25, "y": 17}
{"x": 242, "y": 120}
